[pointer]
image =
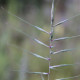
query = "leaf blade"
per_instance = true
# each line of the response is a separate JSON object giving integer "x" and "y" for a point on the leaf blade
{"x": 43, "y": 73}
{"x": 34, "y": 54}
{"x": 61, "y": 22}
{"x": 68, "y": 78}
{"x": 63, "y": 38}
{"x": 36, "y": 40}
{"x": 25, "y": 21}
{"x": 61, "y": 65}
{"x": 40, "y": 42}
{"x": 64, "y": 50}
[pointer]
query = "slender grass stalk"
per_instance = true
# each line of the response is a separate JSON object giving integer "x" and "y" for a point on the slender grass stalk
{"x": 23, "y": 67}
{"x": 42, "y": 77}
{"x": 51, "y": 35}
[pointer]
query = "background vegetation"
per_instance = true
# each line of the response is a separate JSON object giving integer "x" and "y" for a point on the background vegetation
{"x": 15, "y": 62}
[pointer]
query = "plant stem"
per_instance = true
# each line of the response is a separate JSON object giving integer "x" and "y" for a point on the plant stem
{"x": 51, "y": 35}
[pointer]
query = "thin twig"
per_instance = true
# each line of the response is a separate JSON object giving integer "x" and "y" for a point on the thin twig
{"x": 51, "y": 34}
{"x": 42, "y": 77}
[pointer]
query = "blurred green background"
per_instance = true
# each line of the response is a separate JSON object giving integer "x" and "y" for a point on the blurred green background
{"x": 15, "y": 61}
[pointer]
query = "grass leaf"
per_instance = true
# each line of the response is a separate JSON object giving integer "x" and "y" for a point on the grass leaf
{"x": 43, "y": 73}
{"x": 68, "y": 78}
{"x": 34, "y": 54}
{"x": 25, "y": 21}
{"x": 63, "y": 38}
{"x": 60, "y": 51}
{"x": 61, "y": 22}
{"x": 36, "y": 40}
{"x": 61, "y": 65}
{"x": 40, "y": 42}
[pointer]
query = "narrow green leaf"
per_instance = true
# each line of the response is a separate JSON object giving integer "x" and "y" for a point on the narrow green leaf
{"x": 61, "y": 22}
{"x": 61, "y": 65}
{"x": 63, "y": 38}
{"x": 40, "y": 42}
{"x": 25, "y": 21}
{"x": 68, "y": 78}
{"x": 36, "y": 40}
{"x": 34, "y": 54}
{"x": 43, "y": 73}
{"x": 60, "y": 51}
{"x": 41, "y": 29}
